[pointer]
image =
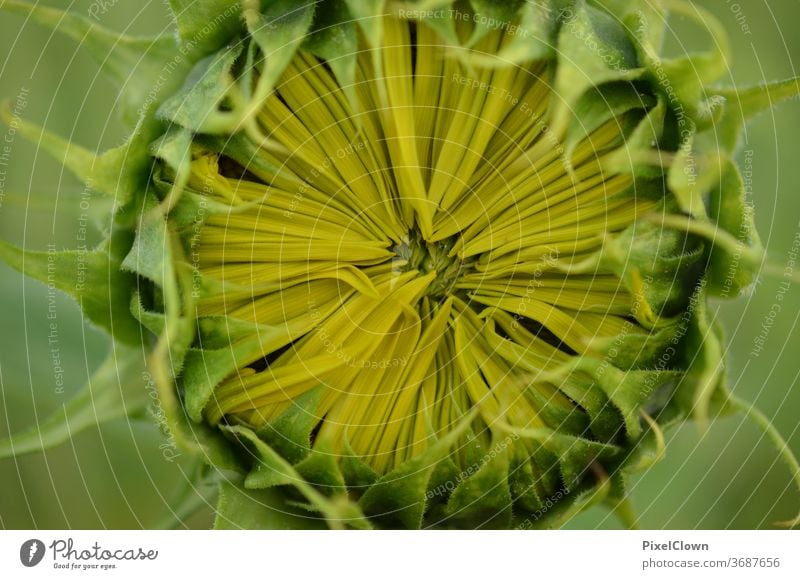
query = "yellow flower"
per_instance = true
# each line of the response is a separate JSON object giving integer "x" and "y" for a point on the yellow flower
{"x": 412, "y": 250}
{"x": 422, "y": 264}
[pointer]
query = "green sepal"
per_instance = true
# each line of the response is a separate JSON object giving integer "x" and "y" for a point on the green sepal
{"x": 490, "y": 15}
{"x": 321, "y": 468}
{"x": 174, "y": 147}
{"x": 694, "y": 172}
{"x": 648, "y": 257}
{"x": 445, "y": 27}
{"x": 270, "y": 469}
{"x": 676, "y": 256}
{"x": 259, "y": 509}
{"x": 398, "y": 498}
{"x": 756, "y": 99}
{"x": 599, "y": 105}
{"x": 202, "y": 440}
{"x": 290, "y": 433}
{"x": 682, "y": 80}
{"x": 167, "y": 357}
{"x": 636, "y": 349}
{"x": 472, "y": 450}
{"x": 649, "y": 448}
{"x": 523, "y": 484}
{"x": 484, "y": 499}
{"x": 216, "y": 332}
{"x": 646, "y": 18}
{"x": 93, "y": 278}
{"x": 358, "y": 475}
{"x": 196, "y": 105}
{"x": 742, "y": 104}
{"x": 150, "y": 255}
{"x": 640, "y": 153}
{"x": 618, "y": 500}
{"x": 190, "y": 214}
{"x": 605, "y": 422}
{"x": 570, "y": 503}
{"x": 200, "y": 376}
{"x": 115, "y": 390}
{"x": 549, "y": 482}
{"x": 197, "y": 489}
{"x": 557, "y": 416}
{"x": 197, "y": 438}
{"x": 593, "y": 49}
{"x": 442, "y": 483}
{"x": 279, "y": 31}
{"x": 627, "y": 390}
{"x": 205, "y": 25}
{"x": 537, "y": 32}
{"x": 118, "y": 173}
{"x": 728, "y": 273}
{"x": 369, "y": 15}
{"x": 703, "y": 358}
{"x": 575, "y": 453}
{"x": 248, "y": 71}
{"x": 204, "y": 369}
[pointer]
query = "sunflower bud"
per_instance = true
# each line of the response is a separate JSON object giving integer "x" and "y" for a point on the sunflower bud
{"x": 424, "y": 264}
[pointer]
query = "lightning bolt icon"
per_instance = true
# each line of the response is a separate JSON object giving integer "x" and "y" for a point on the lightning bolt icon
{"x": 34, "y": 548}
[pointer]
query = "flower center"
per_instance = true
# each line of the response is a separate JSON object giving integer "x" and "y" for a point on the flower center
{"x": 416, "y": 254}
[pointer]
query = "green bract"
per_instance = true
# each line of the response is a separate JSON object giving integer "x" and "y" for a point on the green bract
{"x": 423, "y": 264}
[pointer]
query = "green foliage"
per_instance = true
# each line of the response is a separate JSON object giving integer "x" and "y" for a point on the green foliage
{"x": 605, "y": 61}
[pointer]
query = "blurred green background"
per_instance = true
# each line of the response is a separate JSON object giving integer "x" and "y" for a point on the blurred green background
{"x": 115, "y": 476}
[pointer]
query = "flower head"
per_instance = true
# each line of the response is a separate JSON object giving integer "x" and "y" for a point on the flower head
{"x": 440, "y": 267}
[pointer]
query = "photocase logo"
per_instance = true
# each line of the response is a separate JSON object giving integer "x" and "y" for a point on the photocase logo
{"x": 31, "y": 552}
